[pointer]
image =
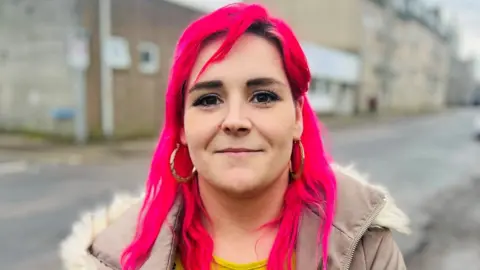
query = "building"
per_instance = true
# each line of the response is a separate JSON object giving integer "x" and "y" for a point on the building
{"x": 335, "y": 78}
{"x": 55, "y": 79}
{"x": 405, "y": 57}
{"x": 35, "y": 80}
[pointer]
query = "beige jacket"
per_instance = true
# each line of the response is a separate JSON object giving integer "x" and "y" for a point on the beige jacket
{"x": 361, "y": 237}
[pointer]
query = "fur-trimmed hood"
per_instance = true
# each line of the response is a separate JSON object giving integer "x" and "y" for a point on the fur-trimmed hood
{"x": 361, "y": 206}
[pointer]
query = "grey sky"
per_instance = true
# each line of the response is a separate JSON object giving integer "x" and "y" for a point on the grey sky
{"x": 466, "y": 14}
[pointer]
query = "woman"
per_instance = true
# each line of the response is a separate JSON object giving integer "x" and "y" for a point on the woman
{"x": 239, "y": 179}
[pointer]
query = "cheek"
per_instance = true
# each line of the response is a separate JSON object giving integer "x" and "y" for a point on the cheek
{"x": 199, "y": 129}
{"x": 278, "y": 126}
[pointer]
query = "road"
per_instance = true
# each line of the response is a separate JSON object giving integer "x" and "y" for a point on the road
{"x": 430, "y": 165}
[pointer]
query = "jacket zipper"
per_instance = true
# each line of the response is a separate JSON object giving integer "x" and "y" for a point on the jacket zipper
{"x": 362, "y": 232}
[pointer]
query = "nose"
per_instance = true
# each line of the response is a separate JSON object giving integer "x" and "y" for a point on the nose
{"x": 236, "y": 122}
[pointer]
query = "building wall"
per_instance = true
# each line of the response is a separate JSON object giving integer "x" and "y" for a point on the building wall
{"x": 421, "y": 68}
{"x": 334, "y": 24}
{"x": 34, "y": 76}
{"x": 373, "y": 50}
{"x": 416, "y": 74}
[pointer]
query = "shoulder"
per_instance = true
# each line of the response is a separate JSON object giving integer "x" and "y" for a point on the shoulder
{"x": 75, "y": 250}
{"x": 358, "y": 198}
{"x": 365, "y": 216}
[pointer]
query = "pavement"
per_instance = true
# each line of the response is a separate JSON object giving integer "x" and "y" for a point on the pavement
{"x": 45, "y": 151}
{"x": 429, "y": 163}
{"x": 450, "y": 239}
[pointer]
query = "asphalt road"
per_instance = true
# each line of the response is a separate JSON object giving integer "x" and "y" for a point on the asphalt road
{"x": 421, "y": 161}
{"x": 415, "y": 159}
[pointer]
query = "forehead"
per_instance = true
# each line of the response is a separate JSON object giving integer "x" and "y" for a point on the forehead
{"x": 250, "y": 57}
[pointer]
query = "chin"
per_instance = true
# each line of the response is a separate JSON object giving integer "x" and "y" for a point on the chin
{"x": 240, "y": 183}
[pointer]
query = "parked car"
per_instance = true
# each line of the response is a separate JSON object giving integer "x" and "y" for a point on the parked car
{"x": 476, "y": 126}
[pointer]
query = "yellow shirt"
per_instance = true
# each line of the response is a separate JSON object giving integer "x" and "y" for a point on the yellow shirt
{"x": 220, "y": 264}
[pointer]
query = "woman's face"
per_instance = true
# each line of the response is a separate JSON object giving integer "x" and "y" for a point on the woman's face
{"x": 240, "y": 117}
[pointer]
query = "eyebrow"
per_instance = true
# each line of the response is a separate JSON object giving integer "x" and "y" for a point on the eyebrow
{"x": 263, "y": 82}
{"x": 215, "y": 84}
{"x": 206, "y": 85}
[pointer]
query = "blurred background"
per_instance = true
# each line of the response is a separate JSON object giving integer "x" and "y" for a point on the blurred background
{"x": 396, "y": 83}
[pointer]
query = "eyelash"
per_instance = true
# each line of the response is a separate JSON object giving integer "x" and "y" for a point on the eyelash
{"x": 200, "y": 102}
{"x": 272, "y": 95}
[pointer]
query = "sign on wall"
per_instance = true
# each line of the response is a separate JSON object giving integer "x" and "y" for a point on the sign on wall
{"x": 78, "y": 53}
{"x": 117, "y": 53}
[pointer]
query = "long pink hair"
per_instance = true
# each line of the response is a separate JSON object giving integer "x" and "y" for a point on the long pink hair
{"x": 315, "y": 189}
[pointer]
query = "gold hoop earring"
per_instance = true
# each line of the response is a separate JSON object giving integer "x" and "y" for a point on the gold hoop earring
{"x": 299, "y": 172}
{"x": 174, "y": 172}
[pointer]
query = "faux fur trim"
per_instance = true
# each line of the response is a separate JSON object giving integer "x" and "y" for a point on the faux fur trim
{"x": 73, "y": 250}
{"x": 391, "y": 216}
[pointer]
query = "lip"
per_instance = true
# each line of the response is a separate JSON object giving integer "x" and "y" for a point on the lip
{"x": 238, "y": 151}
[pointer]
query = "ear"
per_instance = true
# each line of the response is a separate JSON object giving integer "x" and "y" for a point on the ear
{"x": 297, "y": 134}
{"x": 183, "y": 139}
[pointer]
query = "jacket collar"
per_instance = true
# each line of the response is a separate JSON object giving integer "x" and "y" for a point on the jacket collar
{"x": 360, "y": 205}
{"x": 109, "y": 244}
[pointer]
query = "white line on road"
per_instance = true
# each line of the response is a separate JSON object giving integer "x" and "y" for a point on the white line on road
{"x": 13, "y": 167}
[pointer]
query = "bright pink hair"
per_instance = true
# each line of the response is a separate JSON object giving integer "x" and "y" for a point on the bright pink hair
{"x": 316, "y": 188}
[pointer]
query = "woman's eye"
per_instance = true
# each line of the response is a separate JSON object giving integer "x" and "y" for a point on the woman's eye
{"x": 264, "y": 97}
{"x": 207, "y": 101}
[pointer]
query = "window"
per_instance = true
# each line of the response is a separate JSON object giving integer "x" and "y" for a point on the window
{"x": 145, "y": 57}
{"x": 149, "y": 57}
{"x": 325, "y": 87}
{"x": 320, "y": 86}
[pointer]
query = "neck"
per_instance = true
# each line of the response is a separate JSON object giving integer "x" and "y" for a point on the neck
{"x": 243, "y": 212}
{"x": 236, "y": 220}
